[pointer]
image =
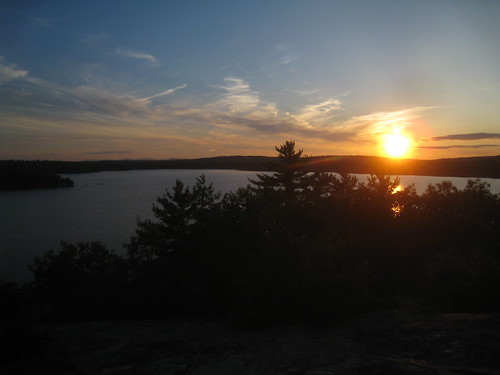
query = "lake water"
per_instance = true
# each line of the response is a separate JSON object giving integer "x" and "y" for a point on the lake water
{"x": 104, "y": 206}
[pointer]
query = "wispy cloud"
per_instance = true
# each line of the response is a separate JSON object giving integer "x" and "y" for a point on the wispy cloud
{"x": 383, "y": 122}
{"x": 163, "y": 93}
{"x": 283, "y": 47}
{"x": 488, "y": 87}
{"x": 303, "y": 92}
{"x": 237, "y": 97}
{"x": 91, "y": 38}
{"x": 42, "y": 22}
{"x": 454, "y": 146}
{"x": 137, "y": 55}
{"x": 238, "y": 104}
{"x": 107, "y": 152}
{"x": 312, "y": 111}
{"x": 9, "y": 72}
{"x": 101, "y": 101}
{"x": 231, "y": 111}
{"x": 33, "y": 94}
{"x": 467, "y": 137}
{"x": 461, "y": 137}
{"x": 288, "y": 59}
{"x": 242, "y": 107}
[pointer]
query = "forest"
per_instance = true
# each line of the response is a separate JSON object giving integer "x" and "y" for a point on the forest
{"x": 478, "y": 167}
{"x": 21, "y": 175}
{"x": 292, "y": 247}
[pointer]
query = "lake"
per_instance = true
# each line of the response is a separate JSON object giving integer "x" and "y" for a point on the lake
{"x": 104, "y": 206}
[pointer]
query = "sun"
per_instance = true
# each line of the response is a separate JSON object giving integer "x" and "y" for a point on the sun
{"x": 396, "y": 145}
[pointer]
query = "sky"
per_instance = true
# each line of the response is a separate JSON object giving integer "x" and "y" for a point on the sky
{"x": 110, "y": 79}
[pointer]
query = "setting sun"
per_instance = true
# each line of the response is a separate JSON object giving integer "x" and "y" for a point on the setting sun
{"x": 396, "y": 145}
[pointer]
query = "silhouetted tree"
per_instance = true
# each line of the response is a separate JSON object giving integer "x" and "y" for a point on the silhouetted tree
{"x": 180, "y": 252}
{"x": 290, "y": 247}
{"x": 180, "y": 214}
{"x": 82, "y": 281}
{"x": 289, "y": 179}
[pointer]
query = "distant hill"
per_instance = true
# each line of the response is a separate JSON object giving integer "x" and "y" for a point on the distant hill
{"x": 486, "y": 167}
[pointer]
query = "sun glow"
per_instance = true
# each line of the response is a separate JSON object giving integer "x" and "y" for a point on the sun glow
{"x": 396, "y": 145}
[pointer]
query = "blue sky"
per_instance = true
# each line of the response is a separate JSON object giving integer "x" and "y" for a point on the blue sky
{"x": 184, "y": 79}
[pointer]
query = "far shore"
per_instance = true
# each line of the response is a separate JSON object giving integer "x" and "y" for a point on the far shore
{"x": 474, "y": 167}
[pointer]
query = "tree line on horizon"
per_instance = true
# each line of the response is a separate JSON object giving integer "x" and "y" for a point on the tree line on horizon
{"x": 290, "y": 247}
{"x": 479, "y": 167}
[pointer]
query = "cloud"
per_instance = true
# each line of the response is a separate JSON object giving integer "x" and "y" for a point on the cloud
{"x": 233, "y": 109}
{"x": 287, "y": 56}
{"x": 230, "y": 111}
{"x": 237, "y": 97}
{"x": 383, "y": 122}
{"x": 91, "y": 38}
{"x": 300, "y": 92}
{"x": 288, "y": 59}
{"x": 104, "y": 152}
{"x": 283, "y": 126}
{"x": 163, "y": 93}
{"x": 455, "y": 146}
{"x": 101, "y": 101}
{"x": 9, "y": 72}
{"x": 314, "y": 110}
{"x": 283, "y": 47}
{"x": 34, "y": 95}
{"x": 137, "y": 55}
{"x": 467, "y": 137}
{"x": 239, "y": 106}
{"x": 42, "y": 22}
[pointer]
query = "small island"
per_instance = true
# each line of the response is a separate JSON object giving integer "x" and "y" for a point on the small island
{"x": 19, "y": 175}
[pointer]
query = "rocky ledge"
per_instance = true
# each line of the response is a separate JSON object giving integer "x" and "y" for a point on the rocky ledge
{"x": 400, "y": 341}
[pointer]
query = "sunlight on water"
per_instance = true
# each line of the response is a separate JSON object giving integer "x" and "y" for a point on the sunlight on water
{"x": 396, "y": 208}
{"x": 397, "y": 189}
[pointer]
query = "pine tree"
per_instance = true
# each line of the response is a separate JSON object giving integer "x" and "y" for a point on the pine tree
{"x": 181, "y": 215}
{"x": 289, "y": 179}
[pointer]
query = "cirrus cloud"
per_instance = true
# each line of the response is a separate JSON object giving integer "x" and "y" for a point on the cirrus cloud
{"x": 232, "y": 110}
{"x": 137, "y": 55}
{"x": 454, "y": 146}
{"x": 9, "y": 72}
{"x": 467, "y": 137}
{"x": 107, "y": 152}
{"x": 163, "y": 93}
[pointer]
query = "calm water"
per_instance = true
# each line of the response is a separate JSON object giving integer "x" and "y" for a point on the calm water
{"x": 104, "y": 206}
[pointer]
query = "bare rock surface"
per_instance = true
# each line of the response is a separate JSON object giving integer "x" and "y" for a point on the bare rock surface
{"x": 399, "y": 341}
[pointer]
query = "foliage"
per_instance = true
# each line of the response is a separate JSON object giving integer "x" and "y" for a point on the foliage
{"x": 289, "y": 179}
{"x": 16, "y": 175}
{"x": 290, "y": 247}
{"x": 82, "y": 281}
{"x": 181, "y": 215}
